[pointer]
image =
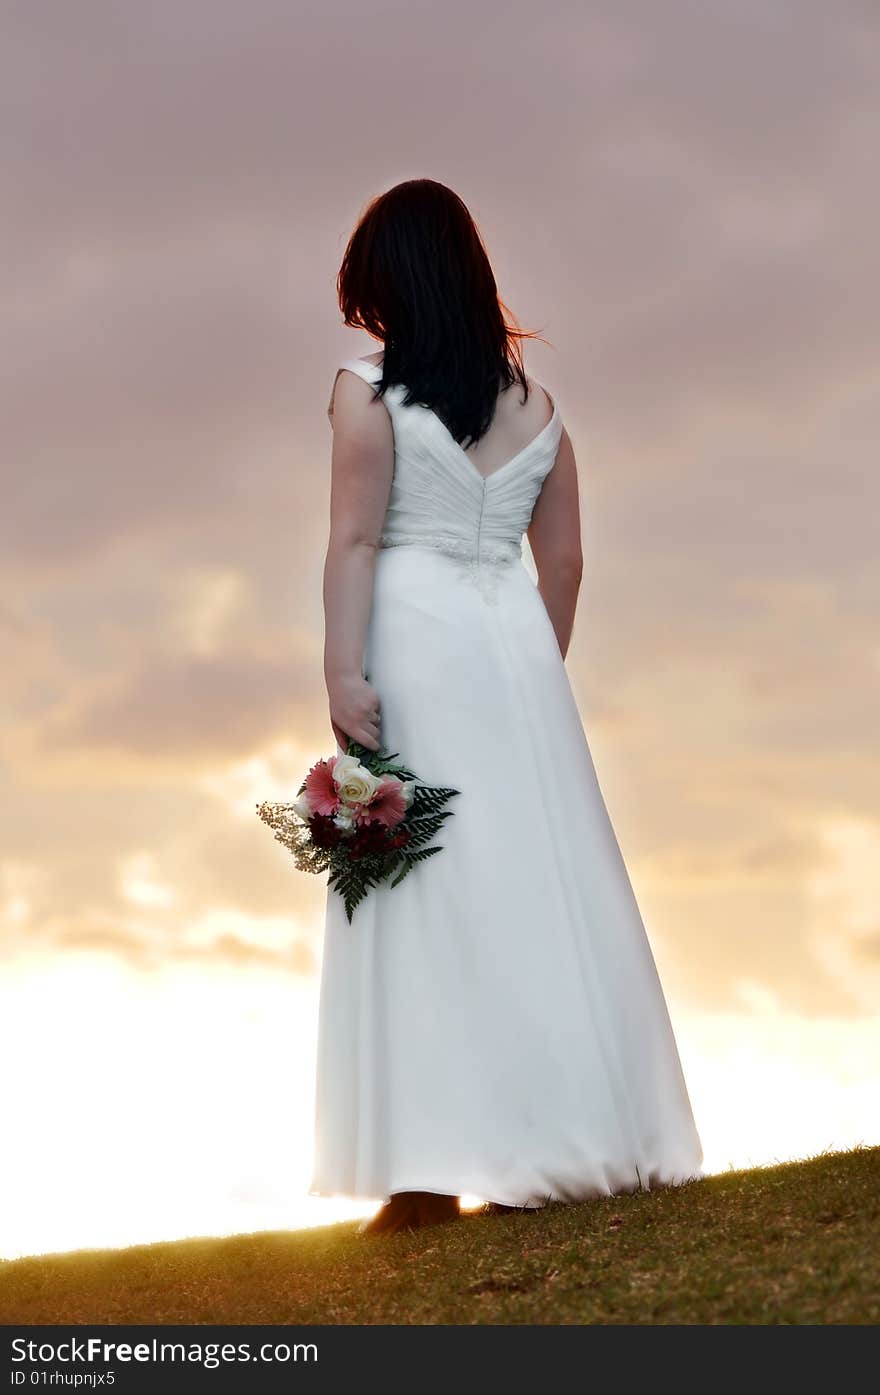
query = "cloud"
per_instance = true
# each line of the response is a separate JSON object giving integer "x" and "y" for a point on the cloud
{"x": 219, "y": 937}
{"x": 196, "y": 709}
{"x": 227, "y": 951}
{"x": 168, "y": 285}
{"x": 697, "y": 237}
{"x": 197, "y": 674}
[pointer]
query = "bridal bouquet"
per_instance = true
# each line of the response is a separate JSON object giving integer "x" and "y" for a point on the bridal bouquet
{"x": 362, "y": 816}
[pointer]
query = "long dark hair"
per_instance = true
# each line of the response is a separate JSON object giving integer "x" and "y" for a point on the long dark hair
{"x": 416, "y": 276}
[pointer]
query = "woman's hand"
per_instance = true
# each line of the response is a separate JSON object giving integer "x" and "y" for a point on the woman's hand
{"x": 355, "y": 713}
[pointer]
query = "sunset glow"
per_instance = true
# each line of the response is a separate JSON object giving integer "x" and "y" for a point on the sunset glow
{"x": 686, "y": 206}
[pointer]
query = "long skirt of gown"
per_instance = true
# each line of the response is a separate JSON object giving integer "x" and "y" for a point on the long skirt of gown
{"x": 494, "y": 1025}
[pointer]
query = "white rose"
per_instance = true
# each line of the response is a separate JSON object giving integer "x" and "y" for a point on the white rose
{"x": 409, "y": 789}
{"x": 301, "y": 807}
{"x": 355, "y": 783}
{"x": 344, "y": 819}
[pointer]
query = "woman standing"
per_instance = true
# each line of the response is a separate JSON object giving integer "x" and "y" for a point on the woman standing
{"x": 494, "y": 1025}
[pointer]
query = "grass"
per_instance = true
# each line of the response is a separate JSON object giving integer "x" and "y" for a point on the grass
{"x": 795, "y": 1243}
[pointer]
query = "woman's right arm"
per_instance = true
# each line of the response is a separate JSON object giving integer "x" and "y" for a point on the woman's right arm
{"x": 362, "y": 468}
{"x": 555, "y": 539}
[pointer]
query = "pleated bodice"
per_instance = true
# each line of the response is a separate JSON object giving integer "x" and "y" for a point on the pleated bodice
{"x": 439, "y": 499}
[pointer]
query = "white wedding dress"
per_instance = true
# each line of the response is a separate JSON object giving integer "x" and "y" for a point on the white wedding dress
{"x": 495, "y": 1024}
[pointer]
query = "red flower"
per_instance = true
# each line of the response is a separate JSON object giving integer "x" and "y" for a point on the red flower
{"x": 371, "y": 837}
{"x": 324, "y": 831}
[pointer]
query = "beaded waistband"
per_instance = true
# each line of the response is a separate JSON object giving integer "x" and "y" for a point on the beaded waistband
{"x": 481, "y": 562}
{"x": 498, "y": 550}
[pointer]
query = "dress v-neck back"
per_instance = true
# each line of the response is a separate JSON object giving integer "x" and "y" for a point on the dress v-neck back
{"x": 440, "y": 500}
{"x": 374, "y": 374}
{"x": 533, "y": 444}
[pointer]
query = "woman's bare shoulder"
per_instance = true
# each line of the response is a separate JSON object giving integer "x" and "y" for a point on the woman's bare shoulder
{"x": 533, "y": 414}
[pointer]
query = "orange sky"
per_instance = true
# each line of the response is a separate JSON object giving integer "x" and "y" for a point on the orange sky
{"x": 682, "y": 199}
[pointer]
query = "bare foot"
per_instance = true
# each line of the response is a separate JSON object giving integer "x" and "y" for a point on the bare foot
{"x": 411, "y": 1211}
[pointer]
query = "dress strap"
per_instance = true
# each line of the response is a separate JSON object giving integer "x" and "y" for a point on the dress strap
{"x": 370, "y": 372}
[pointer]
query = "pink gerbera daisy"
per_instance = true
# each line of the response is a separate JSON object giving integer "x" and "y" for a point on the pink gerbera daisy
{"x": 320, "y": 789}
{"x": 388, "y": 804}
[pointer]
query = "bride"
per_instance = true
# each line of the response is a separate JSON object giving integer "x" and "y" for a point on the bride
{"x": 495, "y": 1024}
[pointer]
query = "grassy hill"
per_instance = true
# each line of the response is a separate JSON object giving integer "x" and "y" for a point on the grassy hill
{"x": 790, "y": 1244}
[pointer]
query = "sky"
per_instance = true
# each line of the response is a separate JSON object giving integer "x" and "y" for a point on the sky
{"x": 680, "y": 198}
